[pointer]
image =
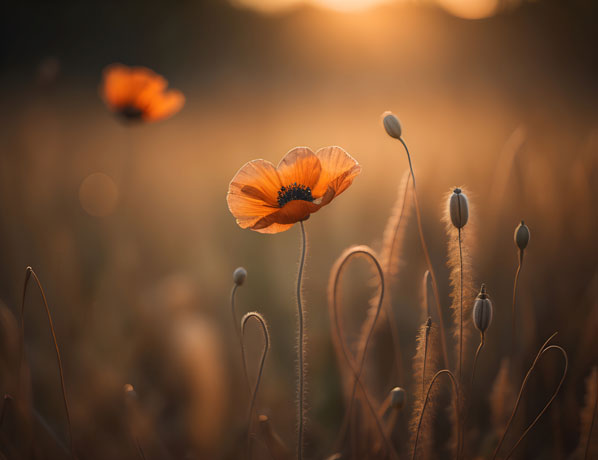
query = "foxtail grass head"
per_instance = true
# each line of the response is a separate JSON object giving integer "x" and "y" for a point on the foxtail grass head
{"x": 482, "y": 310}
{"x": 521, "y": 236}
{"x": 392, "y": 125}
{"x": 458, "y": 208}
{"x": 239, "y": 276}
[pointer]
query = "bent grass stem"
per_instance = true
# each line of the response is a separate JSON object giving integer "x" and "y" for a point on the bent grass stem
{"x": 28, "y": 274}
{"x": 357, "y": 373}
{"x": 427, "y": 257}
{"x": 421, "y": 415}
{"x": 238, "y": 332}
{"x": 543, "y": 349}
{"x": 264, "y": 328}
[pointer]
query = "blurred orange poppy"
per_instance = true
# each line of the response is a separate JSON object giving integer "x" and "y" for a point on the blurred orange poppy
{"x": 138, "y": 93}
{"x": 271, "y": 199}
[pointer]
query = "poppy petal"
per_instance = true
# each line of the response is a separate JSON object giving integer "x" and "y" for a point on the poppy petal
{"x": 299, "y": 165}
{"x": 338, "y": 171}
{"x": 292, "y": 212}
{"x": 252, "y": 192}
{"x": 164, "y": 105}
{"x": 123, "y": 85}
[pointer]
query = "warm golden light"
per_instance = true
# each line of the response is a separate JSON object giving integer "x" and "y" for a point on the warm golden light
{"x": 470, "y": 9}
{"x": 348, "y": 5}
{"x": 338, "y": 5}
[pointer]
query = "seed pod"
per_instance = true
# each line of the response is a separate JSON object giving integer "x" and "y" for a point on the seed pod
{"x": 239, "y": 276}
{"x": 392, "y": 125}
{"x": 521, "y": 236}
{"x": 482, "y": 310}
{"x": 458, "y": 208}
{"x": 397, "y": 398}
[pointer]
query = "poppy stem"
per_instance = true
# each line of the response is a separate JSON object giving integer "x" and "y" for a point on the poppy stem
{"x": 239, "y": 336}
{"x": 513, "y": 332}
{"x": 262, "y": 322}
{"x": 301, "y": 340}
{"x": 427, "y": 257}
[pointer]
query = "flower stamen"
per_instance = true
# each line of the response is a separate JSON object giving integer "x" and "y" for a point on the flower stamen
{"x": 294, "y": 192}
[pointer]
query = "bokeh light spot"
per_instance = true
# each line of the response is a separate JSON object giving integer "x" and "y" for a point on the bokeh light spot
{"x": 98, "y": 195}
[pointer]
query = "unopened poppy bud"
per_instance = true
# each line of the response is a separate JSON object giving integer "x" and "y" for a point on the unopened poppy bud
{"x": 458, "y": 208}
{"x": 392, "y": 125}
{"x": 397, "y": 398}
{"x": 521, "y": 236}
{"x": 482, "y": 310}
{"x": 239, "y": 276}
{"x": 129, "y": 391}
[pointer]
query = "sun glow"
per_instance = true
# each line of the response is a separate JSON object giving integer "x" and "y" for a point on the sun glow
{"x": 348, "y": 5}
{"x": 337, "y": 5}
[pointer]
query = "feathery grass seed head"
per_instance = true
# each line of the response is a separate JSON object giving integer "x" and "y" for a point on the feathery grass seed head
{"x": 521, "y": 236}
{"x": 458, "y": 208}
{"x": 392, "y": 125}
{"x": 482, "y": 310}
{"x": 239, "y": 276}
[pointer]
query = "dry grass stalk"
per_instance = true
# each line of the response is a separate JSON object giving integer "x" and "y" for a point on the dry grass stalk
{"x": 390, "y": 259}
{"x": 462, "y": 293}
{"x": 425, "y": 365}
{"x": 456, "y": 397}
{"x": 394, "y": 129}
{"x": 355, "y": 364}
{"x": 29, "y": 273}
{"x": 543, "y": 350}
{"x": 264, "y": 327}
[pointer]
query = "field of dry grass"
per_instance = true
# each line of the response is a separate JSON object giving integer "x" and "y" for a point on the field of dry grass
{"x": 128, "y": 229}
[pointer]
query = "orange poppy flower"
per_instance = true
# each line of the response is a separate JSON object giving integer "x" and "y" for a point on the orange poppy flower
{"x": 138, "y": 93}
{"x": 271, "y": 199}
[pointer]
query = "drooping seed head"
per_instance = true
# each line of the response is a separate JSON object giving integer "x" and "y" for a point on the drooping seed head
{"x": 482, "y": 310}
{"x": 397, "y": 398}
{"x": 458, "y": 208}
{"x": 521, "y": 236}
{"x": 392, "y": 125}
{"x": 239, "y": 276}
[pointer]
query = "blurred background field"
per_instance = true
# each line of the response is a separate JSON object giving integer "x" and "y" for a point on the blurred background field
{"x": 128, "y": 228}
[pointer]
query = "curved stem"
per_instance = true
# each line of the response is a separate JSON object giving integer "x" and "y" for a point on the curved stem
{"x": 541, "y": 352}
{"x": 238, "y": 332}
{"x": 513, "y": 332}
{"x": 475, "y": 359}
{"x": 392, "y": 321}
{"x": 359, "y": 250}
{"x": 460, "y": 301}
{"x": 428, "y": 325}
{"x": 28, "y": 274}
{"x": 554, "y": 395}
{"x": 428, "y": 261}
{"x": 259, "y": 318}
{"x": 301, "y": 339}
{"x": 421, "y": 415}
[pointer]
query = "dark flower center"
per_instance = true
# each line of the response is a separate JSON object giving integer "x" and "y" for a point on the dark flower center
{"x": 130, "y": 112}
{"x": 294, "y": 192}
